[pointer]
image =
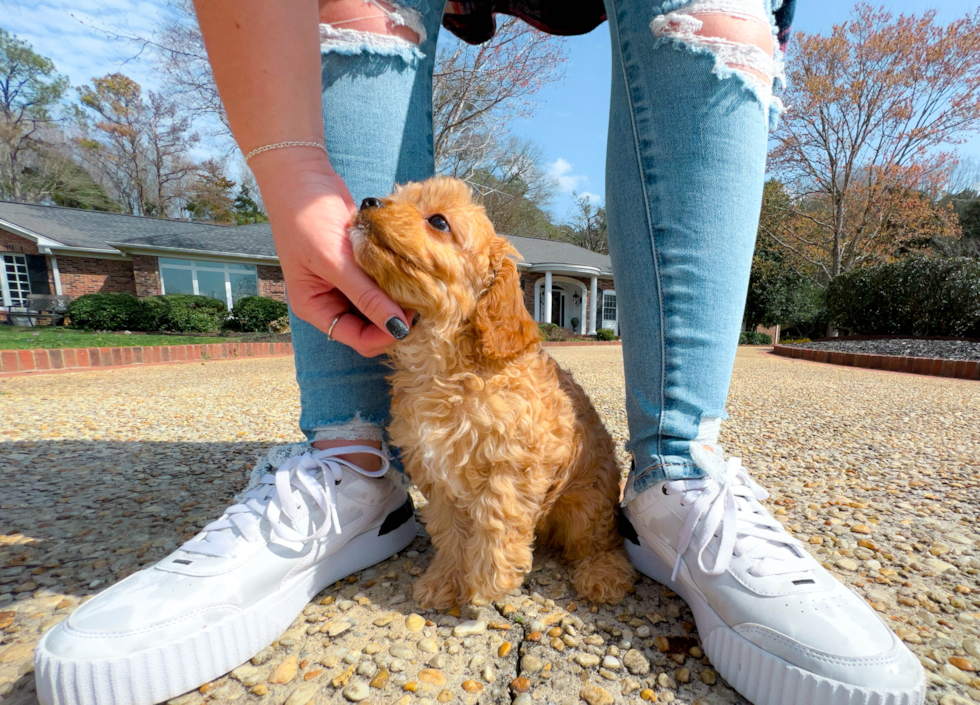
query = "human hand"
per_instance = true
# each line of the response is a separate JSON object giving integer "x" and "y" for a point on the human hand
{"x": 309, "y": 207}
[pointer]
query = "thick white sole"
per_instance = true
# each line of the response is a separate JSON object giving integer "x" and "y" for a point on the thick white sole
{"x": 158, "y": 674}
{"x": 762, "y": 677}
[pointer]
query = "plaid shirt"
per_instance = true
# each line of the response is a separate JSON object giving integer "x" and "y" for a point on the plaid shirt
{"x": 473, "y": 21}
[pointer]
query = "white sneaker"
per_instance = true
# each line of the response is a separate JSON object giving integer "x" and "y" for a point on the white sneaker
{"x": 230, "y": 591}
{"x": 776, "y": 625}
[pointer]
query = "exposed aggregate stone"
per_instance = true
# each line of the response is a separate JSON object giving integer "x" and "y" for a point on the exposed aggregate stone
{"x": 106, "y": 472}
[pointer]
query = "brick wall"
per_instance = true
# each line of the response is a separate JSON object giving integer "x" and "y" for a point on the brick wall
{"x": 15, "y": 243}
{"x": 146, "y": 275}
{"x": 527, "y": 284}
{"x": 88, "y": 275}
{"x": 271, "y": 283}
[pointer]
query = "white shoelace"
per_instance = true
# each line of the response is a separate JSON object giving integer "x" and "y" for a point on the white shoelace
{"x": 315, "y": 474}
{"x": 728, "y": 500}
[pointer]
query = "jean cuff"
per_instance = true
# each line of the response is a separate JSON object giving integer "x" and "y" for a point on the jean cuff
{"x": 667, "y": 468}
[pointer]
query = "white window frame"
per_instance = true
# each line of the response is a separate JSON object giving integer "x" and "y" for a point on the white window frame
{"x": 5, "y": 283}
{"x": 602, "y": 309}
{"x": 192, "y": 266}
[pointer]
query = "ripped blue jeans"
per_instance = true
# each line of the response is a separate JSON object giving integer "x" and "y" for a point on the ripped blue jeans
{"x": 685, "y": 166}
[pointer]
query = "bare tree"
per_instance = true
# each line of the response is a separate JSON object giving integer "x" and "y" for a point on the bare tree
{"x": 515, "y": 187}
{"x": 138, "y": 145}
{"x": 964, "y": 176}
{"x": 588, "y": 226}
{"x": 183, "y": 63}
{"x": 478, "y": 89}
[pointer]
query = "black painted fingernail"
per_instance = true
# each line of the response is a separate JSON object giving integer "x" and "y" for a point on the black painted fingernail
{"x": 397, "y": 327}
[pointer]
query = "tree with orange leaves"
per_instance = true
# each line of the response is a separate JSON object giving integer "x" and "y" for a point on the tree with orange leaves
{"x": 873, "y": 113}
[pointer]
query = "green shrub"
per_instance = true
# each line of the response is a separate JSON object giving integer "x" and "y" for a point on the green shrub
{"x": 605, "y": 334}
{"x": 915, "y": 296}
{"x": 106, "y": 311}
{"x": 750, "y": 337}
{"x": 255, "y": 313}
{"x": 184, "y": 313}
{"x": 575, "y": 323}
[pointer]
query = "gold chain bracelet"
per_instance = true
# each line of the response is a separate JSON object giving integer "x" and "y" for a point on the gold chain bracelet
{"x": 278, "y": 145}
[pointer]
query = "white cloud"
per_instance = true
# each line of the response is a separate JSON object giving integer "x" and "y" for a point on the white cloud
{"x": 593, "y": 198}
{"x": 561, "y": 171}
{"x": 68, "y": 34}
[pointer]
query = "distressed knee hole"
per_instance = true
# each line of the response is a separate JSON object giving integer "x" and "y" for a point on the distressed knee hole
{"x": 378, "y": 27}
{"x": 737, "y": 33}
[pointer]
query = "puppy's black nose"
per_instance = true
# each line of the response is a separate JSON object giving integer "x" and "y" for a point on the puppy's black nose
{"x": 371, "y": 203}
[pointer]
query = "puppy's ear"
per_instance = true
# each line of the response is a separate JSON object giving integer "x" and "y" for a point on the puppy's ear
{"x": 502, "y": 322}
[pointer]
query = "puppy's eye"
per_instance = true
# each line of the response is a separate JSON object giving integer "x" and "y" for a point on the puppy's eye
{"x": 439, "y": 223}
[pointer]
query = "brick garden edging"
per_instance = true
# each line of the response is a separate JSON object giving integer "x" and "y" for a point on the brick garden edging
{"x": 934, "y": 367}
{"x": 50, "y": 360}
{"x": 568, "y": 343}
{"x": 14, "y": 361}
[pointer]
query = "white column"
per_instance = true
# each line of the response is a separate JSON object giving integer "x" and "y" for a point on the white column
{"x": 582, "y": 323}
{"x": 547, "y": 297}
{"x": 593, "y": 300}
{"x": 57, "y": 275}
{"x": 537, "y": 302}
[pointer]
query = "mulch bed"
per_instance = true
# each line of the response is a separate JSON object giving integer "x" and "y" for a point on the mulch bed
{"x": 944, "y": 349}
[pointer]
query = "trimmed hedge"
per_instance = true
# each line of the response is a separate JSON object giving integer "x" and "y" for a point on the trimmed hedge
{"x": 183, "y": 313}
{"x": 605, "y": 334}
{"x": 106, "y": 311}
{"x": 752, "y": 338}
{"x": 256, "y": 313}
{"x": 915, "y": 296}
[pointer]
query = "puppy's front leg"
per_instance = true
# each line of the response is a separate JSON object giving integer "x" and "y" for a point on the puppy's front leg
{"x": 499, "y": 549}
{"x": 444, "y": 583}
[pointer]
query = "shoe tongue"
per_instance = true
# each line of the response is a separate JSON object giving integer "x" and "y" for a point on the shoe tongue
{"x": 231, "y": 532}
{"x": 711, "y": 460}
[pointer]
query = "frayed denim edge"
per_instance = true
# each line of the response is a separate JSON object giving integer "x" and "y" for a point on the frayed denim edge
{"x": 774, "y": 105}
{"x": 349, "y": 42}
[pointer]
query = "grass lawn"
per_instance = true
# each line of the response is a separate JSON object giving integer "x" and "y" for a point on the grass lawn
{"x": 15, "y": 338}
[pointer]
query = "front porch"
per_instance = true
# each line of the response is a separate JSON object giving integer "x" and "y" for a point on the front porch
{"x": 579, "y": 298}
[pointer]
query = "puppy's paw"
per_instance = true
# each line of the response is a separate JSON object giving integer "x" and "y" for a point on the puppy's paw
{"x": 435, "y": 590}
{"x": 604, "y": 577}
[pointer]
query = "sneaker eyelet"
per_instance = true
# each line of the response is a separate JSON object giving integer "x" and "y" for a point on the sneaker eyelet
{"x": 663, "y": 488}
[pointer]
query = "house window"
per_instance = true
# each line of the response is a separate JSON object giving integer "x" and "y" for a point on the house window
{"x": 609, "y": 305}
{"x": 219, "y": 280}
{"x": 15, "y": 281}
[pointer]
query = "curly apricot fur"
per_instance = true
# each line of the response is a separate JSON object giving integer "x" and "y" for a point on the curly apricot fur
{"x": 501, "y": 441}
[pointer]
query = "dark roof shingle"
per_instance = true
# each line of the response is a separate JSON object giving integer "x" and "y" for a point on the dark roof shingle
{"x": 102, "y": 231}
{"x": 93, "y": 229}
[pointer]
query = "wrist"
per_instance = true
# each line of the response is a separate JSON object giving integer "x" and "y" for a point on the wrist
{"x": 272, "y": 167}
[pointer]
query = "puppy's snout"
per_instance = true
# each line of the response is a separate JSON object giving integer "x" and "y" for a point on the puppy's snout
{"x": 371, "y": 203}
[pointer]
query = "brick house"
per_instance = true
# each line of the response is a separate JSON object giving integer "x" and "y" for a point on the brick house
{"x": 55, "y": 250}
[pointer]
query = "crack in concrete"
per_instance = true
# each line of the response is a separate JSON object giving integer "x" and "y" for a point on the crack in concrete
{"x": 515, "y": 651}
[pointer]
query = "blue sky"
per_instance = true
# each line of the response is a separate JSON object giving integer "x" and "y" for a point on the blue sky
{"x": 570, "y": 122}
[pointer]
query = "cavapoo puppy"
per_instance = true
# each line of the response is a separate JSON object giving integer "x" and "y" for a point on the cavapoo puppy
{"x": 501, "y": 441}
